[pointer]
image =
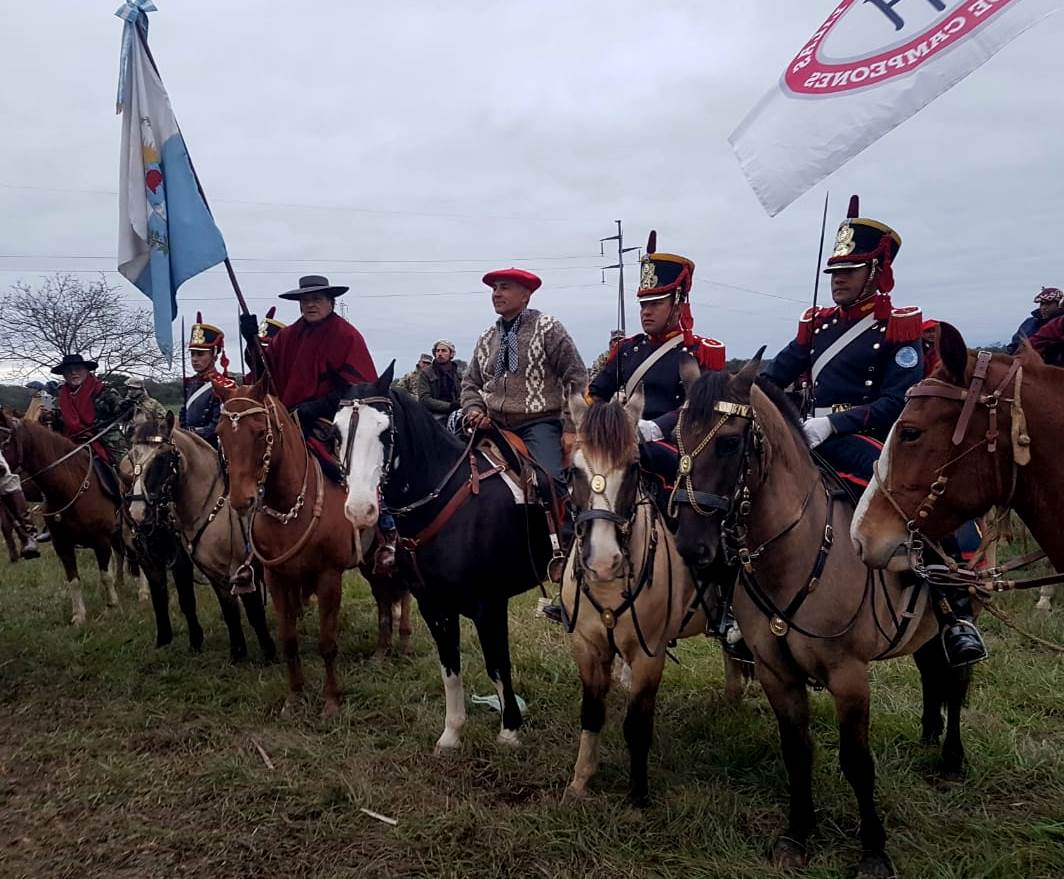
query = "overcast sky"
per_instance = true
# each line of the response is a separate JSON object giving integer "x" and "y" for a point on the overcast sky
{"x": 404, "y": 149}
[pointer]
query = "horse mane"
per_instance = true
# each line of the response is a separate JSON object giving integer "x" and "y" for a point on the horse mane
{"x": 718, "y": 387}
{"x": 419, "y": 428}
{"x": 46, "y": 440}
{"x": 607, "y": 434}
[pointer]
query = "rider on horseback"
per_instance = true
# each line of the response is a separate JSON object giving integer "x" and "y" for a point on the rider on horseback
{"x": 88, "y": 409}
{"x": 202, "y": 407}
{"x": 312, "y": 362}
{"x": 861, "y": 356}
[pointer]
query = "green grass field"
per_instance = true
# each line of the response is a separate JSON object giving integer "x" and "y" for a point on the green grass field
{"x": 121, "y": 760}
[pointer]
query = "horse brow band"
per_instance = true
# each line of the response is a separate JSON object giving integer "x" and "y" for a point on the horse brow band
{"x": 740, "y": 409}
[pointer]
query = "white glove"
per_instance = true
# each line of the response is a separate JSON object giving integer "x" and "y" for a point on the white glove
{"x": 649, "y": 431}
{"x": 817, "y": 430}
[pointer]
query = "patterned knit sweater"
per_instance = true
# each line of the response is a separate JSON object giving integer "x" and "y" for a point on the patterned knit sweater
{"x": 549, "y": 368}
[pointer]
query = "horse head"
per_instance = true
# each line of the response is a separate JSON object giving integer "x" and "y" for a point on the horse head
{"x": 250, "y": 431}
{"x": 731, "y": 431}
{"x": 150, "y": 468}
{"x": 605, "y": 481}
{"x": 950, "y": 456}
{"x": 364, "y": 423}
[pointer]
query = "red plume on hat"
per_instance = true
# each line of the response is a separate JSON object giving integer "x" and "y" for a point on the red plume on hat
{"x": 271, "y": 312}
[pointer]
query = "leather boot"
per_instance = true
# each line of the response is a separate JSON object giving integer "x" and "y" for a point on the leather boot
{"x": 960, "y": 638}
{"x": 384, "y": 558}
{"x": 15, "y": 502}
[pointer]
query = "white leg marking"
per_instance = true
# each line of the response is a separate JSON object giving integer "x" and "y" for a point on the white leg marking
{"x": 1045, "y": 598}
{"x": 107, "y": 580}
{"x": 587, "y": 761}
{"x": 506, "y": 736}
{"x": 78, "y": 602}
{"x": 622, "y": 673}
{"x": 450, "y": 740}
{"x": 143, "y": 593}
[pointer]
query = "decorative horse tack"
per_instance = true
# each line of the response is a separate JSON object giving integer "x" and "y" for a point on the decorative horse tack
{"x": 703, "y": 503}
{"x": 598, "y": 483}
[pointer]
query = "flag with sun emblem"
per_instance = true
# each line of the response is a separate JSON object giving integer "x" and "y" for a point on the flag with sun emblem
{"x": 166, "y": 233}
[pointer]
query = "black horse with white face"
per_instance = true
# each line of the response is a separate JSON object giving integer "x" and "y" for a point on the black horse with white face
{"x": 467, "y": 545}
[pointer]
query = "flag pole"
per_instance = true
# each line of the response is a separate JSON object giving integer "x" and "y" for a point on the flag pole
{"x": 820, "y": 251}
{"x": 184, "y": 377}
{"x": 142, "y": 36}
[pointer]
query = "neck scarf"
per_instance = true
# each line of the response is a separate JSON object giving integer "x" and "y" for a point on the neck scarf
{"x": 78, "y": 407}
{"x": 506, "y": 359}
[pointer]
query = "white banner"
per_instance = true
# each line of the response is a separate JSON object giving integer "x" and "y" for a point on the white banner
{"x": 870, "y": 66}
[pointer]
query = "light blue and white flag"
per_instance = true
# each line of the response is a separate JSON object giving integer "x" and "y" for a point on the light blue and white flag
{"x": 166, "y": 233}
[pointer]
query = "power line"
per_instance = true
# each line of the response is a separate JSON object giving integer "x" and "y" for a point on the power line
{"x": 749, "y": 290}
{"x": 281, "y": 259}
{"x": 278, "y": 272}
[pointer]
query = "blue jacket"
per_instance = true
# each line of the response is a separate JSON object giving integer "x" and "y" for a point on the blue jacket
{"x": 200, "y": 415}
{"x": 1027, "y": 329}
{"x": 867, "y": 379}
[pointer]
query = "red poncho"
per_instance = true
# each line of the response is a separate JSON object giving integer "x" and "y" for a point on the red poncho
{"x": 78, "y": 411}
{"x": 309, "y": 361}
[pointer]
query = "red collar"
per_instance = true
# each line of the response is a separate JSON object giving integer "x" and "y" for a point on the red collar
{"x": 657, "y": 340}
{"x": 857, "y": 310}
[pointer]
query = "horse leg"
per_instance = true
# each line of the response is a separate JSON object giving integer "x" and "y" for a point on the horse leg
{"x": 639, "y": 723}
{"x": 382, "y": 595}
{"x": 850, "y": 690}
{"x": 256, "y": 614}
{"x": 238, "y": 647}
{"x": 789, "y": 698}
{"x": 69, "y": 559}
{"x": 594, "y": 661}
{"x": 8, "y": 528}
{"x": 445, "y": 632}
{"x": 104, "y": 555}
{"x": 288, "y": 606}
{"x": 406, "y": 628}
{"x": 1045, "y": 596}
{"x": 160, "y": 604}
{"x": 734, "y": 678}
{"x": 329, "y": 593}
{"x": 493, "y": 632}
{"x": 185, "y": 585}
{"x": 931, "y": 661}
{"x": 956, "y": 693}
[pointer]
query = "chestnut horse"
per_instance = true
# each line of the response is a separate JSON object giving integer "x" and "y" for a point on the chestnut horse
{"x": 77, "y": 510}
{"x": 981, "y": 432}
{"x": 808, "y": 607}
{"x": 295, "y": 522}
{"x": 626, "y": 591}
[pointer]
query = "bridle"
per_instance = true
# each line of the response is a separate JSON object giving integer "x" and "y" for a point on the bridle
{"x": 704, "y": 503}
{"x": 970, "y": 398}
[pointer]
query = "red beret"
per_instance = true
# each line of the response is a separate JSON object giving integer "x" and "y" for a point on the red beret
{"x": 518, "y": 276}
{"x": 928, "y": 324}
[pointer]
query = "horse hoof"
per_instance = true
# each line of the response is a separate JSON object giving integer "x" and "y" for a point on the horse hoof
{"x": 448, "y": 743}
{"x": 509, "y": 738}
{"x": 78, "y": 620}
{"x": 575, "y": 794}
{"x": 1044, "y": 604}
{"x": 789, "y": 854}
{"x": 292, "y": 704}
{"x": 875, "y": 865}
{"x": 331, "y": 710}
{"x": 163, "y": 641}
{"x": 639, "y": 801}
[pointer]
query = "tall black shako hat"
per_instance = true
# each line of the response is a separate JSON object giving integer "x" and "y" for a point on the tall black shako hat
{"x": 270, "y": 326}
{"x": 204, "y": 336}
{"x": 663, "y": 275}
{"x": 315, "y": 284}
{"x": 861, "y": 242}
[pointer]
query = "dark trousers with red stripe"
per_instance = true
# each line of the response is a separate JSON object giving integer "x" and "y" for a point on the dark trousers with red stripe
{"x": 853, "y": 456}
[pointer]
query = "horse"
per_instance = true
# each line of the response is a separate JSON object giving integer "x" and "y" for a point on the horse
{"x": 295, "y": 522}
{"x": 467, "y": 546}
{"x": 625, "y": 573}
{"x": 809, "y": 609}
{"x": 178, "y": 488}
{"x": 78, "y": 511}
{"x": 980, "y": 432}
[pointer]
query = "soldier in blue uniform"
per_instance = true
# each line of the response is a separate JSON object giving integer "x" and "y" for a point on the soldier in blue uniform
{"x": 652, "y": 358}
{"x": 861, "y": 356}
{"x": 202, "y": 407}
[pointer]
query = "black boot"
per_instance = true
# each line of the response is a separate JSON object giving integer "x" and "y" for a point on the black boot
{"x": 15, "y": 502}
{"x": 960, "y": 638}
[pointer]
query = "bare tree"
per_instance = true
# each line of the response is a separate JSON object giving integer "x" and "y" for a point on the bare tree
{"x": 65, "y": 315}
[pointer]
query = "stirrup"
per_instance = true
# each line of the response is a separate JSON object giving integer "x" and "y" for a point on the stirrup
{"x": 243, "y": 580}
{"x": 556, "y": 566}
{"x": 958, "y": 623}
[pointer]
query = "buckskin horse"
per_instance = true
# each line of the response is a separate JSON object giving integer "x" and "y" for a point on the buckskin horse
{"x": 982, "y": 431}
{"x": 77, "y": 510}
{"x": 808, "y": 607}
{"x": 295, "y": 523}
{"x": 467, "y": 545}
{"x": 178, "y": 494}
{"x": 626, "y": 591}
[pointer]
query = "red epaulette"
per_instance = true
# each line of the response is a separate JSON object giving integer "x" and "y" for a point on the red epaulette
{"x": 905, "y": 324}
{"x": 616, "y": 346}
{"x": 709, "y": 353}
{"x": 810, "y": 317}
{"x": 222, "y": 381}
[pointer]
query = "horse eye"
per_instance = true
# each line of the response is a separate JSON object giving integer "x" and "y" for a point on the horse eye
{"x": 728, "y": 445}
{"x": 910, "y": 434}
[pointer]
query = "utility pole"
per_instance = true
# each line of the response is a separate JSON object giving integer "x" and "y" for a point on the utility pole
{"x": 621, "y": 251}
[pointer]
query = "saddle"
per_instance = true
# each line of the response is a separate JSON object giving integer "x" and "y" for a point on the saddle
{"x": 108, "y": 477}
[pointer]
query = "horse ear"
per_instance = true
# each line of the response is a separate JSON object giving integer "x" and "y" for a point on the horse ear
{"x": 634, "y": 407}
{"x": 953, "y": 353}
{"x": 744, "y": 378}
{"x": 384, "y": 383}
{"x": 169, "y": 423}
{"x": 578, "y": 407}
{"x": 690, "y": 372}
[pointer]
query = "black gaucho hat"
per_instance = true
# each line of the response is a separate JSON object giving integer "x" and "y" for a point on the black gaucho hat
{"x": 861, "y": 241}
{"x": 314, "y": 284}
{"x": 663, "y": 275}
{"x": 73, "y": 360}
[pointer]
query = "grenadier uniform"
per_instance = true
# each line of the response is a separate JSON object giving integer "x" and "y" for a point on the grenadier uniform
{"x": 861, "y": 359}
{"x": 662, "y": 276}
{"x": 202, "y": 407}
{"x": 268, "y": 330}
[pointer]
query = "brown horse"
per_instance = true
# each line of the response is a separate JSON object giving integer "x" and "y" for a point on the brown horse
{"x": 982, "y": 431}
{"x": 626, "y": 591}
{"x": 295, "y": 520}
{"x": 77, "y": 510}
{"x": 808, "y": 607}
